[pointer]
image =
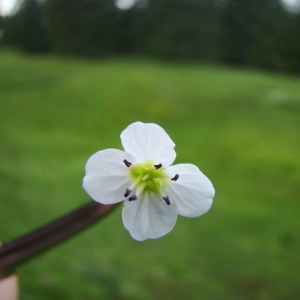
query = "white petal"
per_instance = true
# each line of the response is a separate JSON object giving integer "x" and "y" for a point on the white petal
{"x": 149, "y": 217}
{"x": 193, "y": 191}
{"x": 148, "y": 141}
{"x": 107, "y": 177}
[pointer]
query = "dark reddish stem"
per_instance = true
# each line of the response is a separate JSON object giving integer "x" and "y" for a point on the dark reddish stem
{"x": 24, "y": 248}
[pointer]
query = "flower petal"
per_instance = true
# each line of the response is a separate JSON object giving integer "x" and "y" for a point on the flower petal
{"x": 106, "y": 176}
{"x": 149, "y": 217}
{"x": 148, "y": 141}
{"x": 193, "y": 191}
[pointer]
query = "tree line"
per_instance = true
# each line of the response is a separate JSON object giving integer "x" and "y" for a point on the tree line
{"x": 260, "y": 33}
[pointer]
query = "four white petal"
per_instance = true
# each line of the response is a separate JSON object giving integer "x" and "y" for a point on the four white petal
{"x": 148, "y": 142}
{"x": 193, "y": 193}
{"x": 154, "y": 195}
{"x": 149, "y": 217}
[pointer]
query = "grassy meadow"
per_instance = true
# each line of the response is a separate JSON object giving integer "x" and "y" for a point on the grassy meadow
{"x": 240, "y": 127}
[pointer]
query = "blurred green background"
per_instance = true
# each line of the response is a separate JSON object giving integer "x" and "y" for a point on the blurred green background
{"x": 241, "y": 127}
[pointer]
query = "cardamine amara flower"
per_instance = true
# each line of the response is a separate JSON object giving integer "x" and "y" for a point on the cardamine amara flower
{"x": 154, "y": 191}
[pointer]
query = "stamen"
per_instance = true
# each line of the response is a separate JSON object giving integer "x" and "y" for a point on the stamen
{"x": 127, "y": 193}
{"x": 167, "y": 200}
{"x": 158, "y": 166}
{"x": 175, "y": 177}
{"x": 134, "y": 197}
{"x": 127, "y": 163}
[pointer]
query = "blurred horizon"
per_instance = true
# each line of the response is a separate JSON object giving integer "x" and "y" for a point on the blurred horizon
{"x": 8, "y": 7}
{"x": 260, "y": 34}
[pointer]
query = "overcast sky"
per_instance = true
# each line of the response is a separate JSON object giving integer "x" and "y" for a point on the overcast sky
{"x": 6, "y": 6}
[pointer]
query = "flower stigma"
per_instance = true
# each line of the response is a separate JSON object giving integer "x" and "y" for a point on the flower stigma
{"x": 147, "y": 178}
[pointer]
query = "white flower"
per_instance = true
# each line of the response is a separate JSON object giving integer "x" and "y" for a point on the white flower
{"x": 153, "y": 191}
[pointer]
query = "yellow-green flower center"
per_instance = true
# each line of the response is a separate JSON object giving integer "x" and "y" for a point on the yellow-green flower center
{"x": 148, "y": 177}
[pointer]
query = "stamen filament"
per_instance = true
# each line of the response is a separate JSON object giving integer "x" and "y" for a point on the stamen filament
{"x": 140, "y": 188}
{"x": 146, "y": 177}
{"x": 136, "y": 182}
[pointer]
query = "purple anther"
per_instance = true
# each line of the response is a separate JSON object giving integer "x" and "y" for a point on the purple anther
{"x": 175, "y": 177}
{"x": 167, "y": 200}
{"x": 127, "y": 163}
{"x": 157, "y": 166}
{"x": 134, "y": 197}
{"x": 127, "y": 193}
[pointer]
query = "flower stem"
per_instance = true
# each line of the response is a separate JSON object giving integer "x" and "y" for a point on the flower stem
{"x": 24, "y": 248}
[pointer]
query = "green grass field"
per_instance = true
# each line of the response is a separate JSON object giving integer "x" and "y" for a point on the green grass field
{"x": 241, "y": 127}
